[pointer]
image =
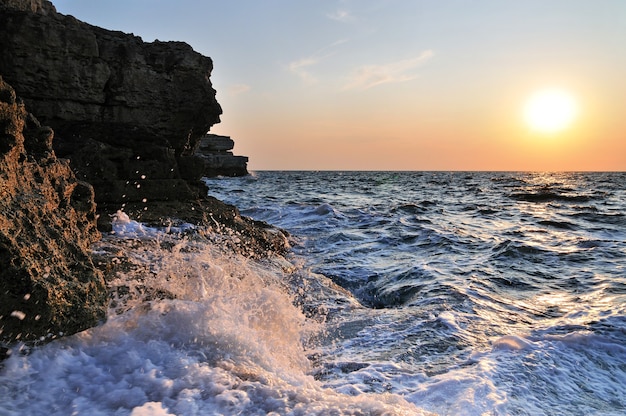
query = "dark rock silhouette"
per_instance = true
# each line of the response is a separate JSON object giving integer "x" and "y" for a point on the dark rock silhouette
{"x": 90, "y": 83}
{"x": 215, "y": 152}
{"x": 128, "y": 114}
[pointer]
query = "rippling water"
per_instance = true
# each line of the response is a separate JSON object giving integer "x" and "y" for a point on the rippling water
{"x": 405, "y": 293}
{"x": 496, "y": 292}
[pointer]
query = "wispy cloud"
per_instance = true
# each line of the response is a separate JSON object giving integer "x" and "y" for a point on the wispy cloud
{"x": 368, "y": 76}
{"x": 237, "y": 89}
{"x": 341, "y": 15}
{"x": 302, "y": 66}
{"x": 299, "y": 68}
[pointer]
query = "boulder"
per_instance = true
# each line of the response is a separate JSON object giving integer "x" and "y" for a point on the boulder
{"x": 48, "y": 283}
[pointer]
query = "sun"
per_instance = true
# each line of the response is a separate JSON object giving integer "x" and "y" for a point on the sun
{"x": 550, "y": 110}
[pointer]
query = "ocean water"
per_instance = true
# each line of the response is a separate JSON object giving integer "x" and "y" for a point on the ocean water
{"x": 405, "y": 293}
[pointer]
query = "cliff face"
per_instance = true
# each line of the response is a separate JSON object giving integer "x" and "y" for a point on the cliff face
{"x": 88, "y": 82}
{"x": 128, "y": 114}
{"x": 215, "y": 152}
{"x": 47, "y": 220}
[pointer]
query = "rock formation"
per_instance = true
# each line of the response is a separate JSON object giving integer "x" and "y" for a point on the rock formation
{"x": 215, "y": 151}
{"x": 48, "y": 283}
{"x": 87, "y": 82}
{"x": 128, "y": 114}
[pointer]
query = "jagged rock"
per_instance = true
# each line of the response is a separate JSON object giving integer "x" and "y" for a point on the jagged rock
{"x": 128, "y": 114}
{"x": 88, "y": 82}
{"x": 215, "y": 143}
{"x": 48, "y": 283}
{"x": 215, "y": 152}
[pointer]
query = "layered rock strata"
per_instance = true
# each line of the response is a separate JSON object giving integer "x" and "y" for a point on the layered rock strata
{"x": 127, "y": 113}
{"x": 215, "y": 151}
{"x": 88, "y": 82}
{"x": 48, "y": 283}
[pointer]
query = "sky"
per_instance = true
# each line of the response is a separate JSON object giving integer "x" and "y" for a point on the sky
{"x": 400, "y": 84}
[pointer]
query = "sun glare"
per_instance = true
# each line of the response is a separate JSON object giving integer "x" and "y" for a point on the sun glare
{"x": 550, "y": 110}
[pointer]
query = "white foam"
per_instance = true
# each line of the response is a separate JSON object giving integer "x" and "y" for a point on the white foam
{"x": 123, "y": 226}
{"x": 150, "y": 409}
{"x": 448, "y": 319}
{"x": 225, "y": 339}
{"x": 511, "y": 342}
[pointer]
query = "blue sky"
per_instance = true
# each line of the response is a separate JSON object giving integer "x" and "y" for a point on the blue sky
{"x": 390, "y": 84}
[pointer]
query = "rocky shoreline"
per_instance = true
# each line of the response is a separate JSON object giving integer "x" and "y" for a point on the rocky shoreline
{"x": 126, "y": 119}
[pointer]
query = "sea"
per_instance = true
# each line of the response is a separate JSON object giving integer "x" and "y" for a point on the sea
{"x": 403, "y": 293}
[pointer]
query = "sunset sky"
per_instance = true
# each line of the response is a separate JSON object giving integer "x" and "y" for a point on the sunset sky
{"x": 401, "y": 84}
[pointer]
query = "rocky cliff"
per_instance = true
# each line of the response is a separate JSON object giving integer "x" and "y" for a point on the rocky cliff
{"x": 48, "y": 283}
{"x": 88, "y": 82}
{"x": 215, "y": 151}
{"x": 128, "y": 114}
{"x": 125, "y": 112}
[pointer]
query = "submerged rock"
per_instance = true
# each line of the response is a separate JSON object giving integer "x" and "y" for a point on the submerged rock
{"x": 48, "y": 283}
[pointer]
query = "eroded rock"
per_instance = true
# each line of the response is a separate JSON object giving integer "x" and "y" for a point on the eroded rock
{"x": 218, "y": 159}
{"x": 48, "y": 283}
{"x": 127, "y": 113}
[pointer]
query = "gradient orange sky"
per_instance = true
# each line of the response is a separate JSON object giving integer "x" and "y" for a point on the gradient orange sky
{"x": 399, "y": 85}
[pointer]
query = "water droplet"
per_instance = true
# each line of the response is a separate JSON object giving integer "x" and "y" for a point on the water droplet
{"x": 19, "y": 315}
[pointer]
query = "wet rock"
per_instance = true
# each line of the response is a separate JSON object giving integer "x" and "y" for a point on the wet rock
{"x": 48, "y": 283}
{"x": 126, "y": 113}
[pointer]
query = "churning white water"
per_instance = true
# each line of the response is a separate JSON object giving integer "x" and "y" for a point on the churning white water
{"x": 405, "y": 293}
{"x": 220, "y": 335}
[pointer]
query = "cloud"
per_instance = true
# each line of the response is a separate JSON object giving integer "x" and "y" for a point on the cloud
{"x": 335, "y": 43}
{"x": 368, "y": 76}
{"x": 300, "y": 67}
{"x": 340, "y": 15}
{"x": 237, "y": 89}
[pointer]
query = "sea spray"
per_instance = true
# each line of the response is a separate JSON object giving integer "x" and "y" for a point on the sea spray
{"x": 484, "y": 292}
{"x": 192, "y": 330}
{"x": 456, "y": 296}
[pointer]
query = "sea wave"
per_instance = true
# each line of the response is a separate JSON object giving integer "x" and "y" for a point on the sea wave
{"x": 192, "y": 330}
